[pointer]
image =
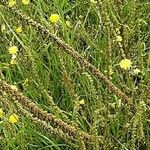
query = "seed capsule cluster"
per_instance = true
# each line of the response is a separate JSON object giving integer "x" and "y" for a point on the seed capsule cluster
{"x": 43, "y": 115}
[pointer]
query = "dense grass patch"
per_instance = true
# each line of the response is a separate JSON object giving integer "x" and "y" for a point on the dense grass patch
{"x": 79, "y": 79}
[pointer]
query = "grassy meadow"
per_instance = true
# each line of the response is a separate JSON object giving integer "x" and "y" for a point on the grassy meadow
{"x": 75, "y": 75}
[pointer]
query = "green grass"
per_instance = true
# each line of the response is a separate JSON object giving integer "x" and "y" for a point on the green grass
{"x": 56, "y": 82}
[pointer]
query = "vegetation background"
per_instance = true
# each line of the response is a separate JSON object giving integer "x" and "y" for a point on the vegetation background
{"x": 104, "y": 32}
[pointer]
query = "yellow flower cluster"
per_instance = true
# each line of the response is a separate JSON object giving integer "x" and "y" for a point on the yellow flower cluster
{"x": 12, "y": 3}
{"x": 19, "y": 29}
{"x": 26, "y": 2}
{"x": 13, "y": 51}
{"x": 82, "y": 102}
{"x": 13, "y": 118}
{"x": 54, "y": 18}
{"x": 125, "y": 64}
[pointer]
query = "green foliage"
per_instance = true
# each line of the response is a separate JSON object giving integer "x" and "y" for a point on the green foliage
{"x": 104, "y": 33}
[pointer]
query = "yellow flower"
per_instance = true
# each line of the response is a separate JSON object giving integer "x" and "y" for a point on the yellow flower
{"x": 13, "y": 62}
{"x": 13, "y": 50}
{"x": 1, "y": 113}
{"x": 26, "y": 2}
{"x": 54, "y": 18}
{"x": 13, "y": 118}
{"x": 19, "y": 29}
{"x": 118, "y": 38}
{"x": 82, "y": 102}
{"x": 93, "y": 1}
{"x": 11, "y": 3}
{"x": 136, "y": 71}
{"x": 125, "y": 64}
